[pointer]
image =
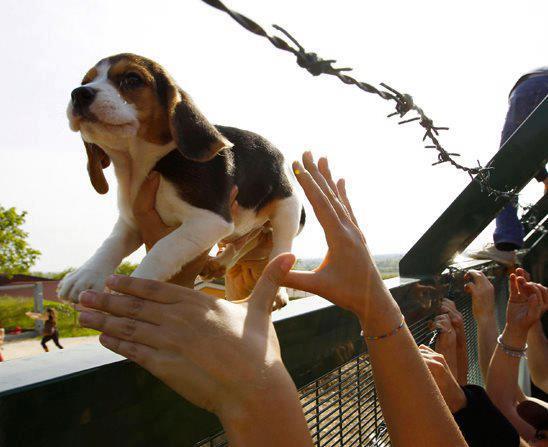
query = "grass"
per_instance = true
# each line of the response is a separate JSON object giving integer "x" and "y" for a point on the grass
{"x": 12, "y": 314}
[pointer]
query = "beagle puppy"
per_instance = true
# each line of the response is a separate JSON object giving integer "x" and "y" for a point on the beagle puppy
{"x": 130, "y": 112}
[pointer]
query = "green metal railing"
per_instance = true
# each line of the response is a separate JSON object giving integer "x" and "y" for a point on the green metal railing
{"x": 88, "y": 396}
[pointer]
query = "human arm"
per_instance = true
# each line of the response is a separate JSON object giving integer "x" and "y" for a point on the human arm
{"x": 446, "y": 343}
{"x": 537, "y": 357}
{"x": 523, "y": 310}
{"x": 401, "y": 377}
{"x": 483, "y": 309}
{"x": 457, "y": 322}
{"x": 36, "y": 316}
{"x": 476, "y": 416}
{"x": 240, "y": 279}
{"x": 537, "y": 342}
{"x": 195, "y": 343}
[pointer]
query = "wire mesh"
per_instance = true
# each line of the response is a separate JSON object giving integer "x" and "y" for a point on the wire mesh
{"x": 341, "y": 407}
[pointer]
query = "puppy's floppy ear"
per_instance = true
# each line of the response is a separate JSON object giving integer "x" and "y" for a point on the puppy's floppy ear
{"x": 97, "y": 161}
{"x": 196, "y": 138}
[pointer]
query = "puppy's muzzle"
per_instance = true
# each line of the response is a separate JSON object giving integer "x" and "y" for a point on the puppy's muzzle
{"x": 82, "y": 97}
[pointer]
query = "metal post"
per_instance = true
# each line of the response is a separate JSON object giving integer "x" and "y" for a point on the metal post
{"x": 38, "y": 306}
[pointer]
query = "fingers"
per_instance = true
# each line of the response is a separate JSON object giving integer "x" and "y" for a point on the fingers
{"x": 301, "y": 280}
{"x": 544, "y": 295}
{"x": 146, "y": 197}
{"x": 523, "y": 273}
{"x": 525, "y": 289}
{"x": 321, "y": 181}
{"x": 473, "y": 275}
{"x": 450, "y": 308}
{"x": 123, "y": 328}
{"x": 341, "y": 187}
{"x": 264, "y": 293}
{"x": 122, "y": 306}
{"x": 470, "y": 288}
{"x": 141, "y": 354}
{"x": 443, "y": 323}
{"x": 323, "y": 167}
{"x": 147, "y": 289}
{"x": 320, "y": 204}
{"x": 514, "y": 291}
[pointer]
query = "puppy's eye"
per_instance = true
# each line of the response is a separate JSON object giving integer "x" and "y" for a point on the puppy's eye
{"x": 131, "y": 81}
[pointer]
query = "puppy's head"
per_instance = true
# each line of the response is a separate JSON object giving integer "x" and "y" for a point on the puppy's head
{"x": 127, "y": 97}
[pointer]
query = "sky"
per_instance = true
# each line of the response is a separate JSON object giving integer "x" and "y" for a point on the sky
{"x": 458, "y": 60}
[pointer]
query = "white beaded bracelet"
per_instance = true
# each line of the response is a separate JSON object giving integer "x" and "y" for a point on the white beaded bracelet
{"x": 512, "y": 352}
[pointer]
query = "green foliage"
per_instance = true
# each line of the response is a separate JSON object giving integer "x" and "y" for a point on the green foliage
{"x": 126, "y": 268}
{"x": 16, "y": 256}
{"x": 55, "y": 275}
{"x": 12, "y": 311}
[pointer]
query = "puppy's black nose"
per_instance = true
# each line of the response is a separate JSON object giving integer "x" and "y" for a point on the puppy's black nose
{"x": 82, "y": 97}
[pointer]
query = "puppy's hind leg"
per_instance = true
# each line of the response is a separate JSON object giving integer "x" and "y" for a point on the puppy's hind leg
{"x": 285, "y": 226}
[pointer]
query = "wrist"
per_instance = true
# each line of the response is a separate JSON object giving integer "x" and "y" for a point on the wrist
{"x": 514, "y": 337}
{"x": 457, "y": 401}
{"x": 485, "y": 317}
{"x": 380, "y": 316}
{"x": 242, "y": 409}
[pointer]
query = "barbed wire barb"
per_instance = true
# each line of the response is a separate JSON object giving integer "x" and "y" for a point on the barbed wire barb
{"x": 404, "y": 102}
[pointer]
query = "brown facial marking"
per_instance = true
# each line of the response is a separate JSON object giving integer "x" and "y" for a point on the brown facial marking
{"x": 90, "y": 76}
{"x": 153, "y": 118}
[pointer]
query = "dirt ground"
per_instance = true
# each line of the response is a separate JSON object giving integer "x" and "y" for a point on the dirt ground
{"x": 32, "y": 347}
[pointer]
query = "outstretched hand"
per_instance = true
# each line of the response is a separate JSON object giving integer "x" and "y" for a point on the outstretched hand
{"x": 217, "y": 354}
{"x": 347, "y": 276}
{"x": 526, "y": 304}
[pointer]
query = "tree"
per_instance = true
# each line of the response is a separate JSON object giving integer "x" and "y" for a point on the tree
{"x": 16, "y": 256}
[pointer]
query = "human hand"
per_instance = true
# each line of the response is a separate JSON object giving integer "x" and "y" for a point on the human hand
{"x": 451, "y": 391}
{"x": 526, "y": 304}
{"x": 483, "y": 295}
{"x": 446, "y": 343}
{"x": 239, "y": 281}
{"x": 219, "y": 355}
{"x": 151, "y": 226}
{"x": 457, "y": 321}
{"x": 347, "y": 276}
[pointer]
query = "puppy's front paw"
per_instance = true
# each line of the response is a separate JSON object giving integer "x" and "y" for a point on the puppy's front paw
{"x": 82, "y": 279}
{"x": 281, "y": 300}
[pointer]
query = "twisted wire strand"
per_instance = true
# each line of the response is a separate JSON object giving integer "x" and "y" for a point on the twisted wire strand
{"x": 404, "y": 102}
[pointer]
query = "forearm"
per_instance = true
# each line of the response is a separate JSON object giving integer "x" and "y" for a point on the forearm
{"x": 537, "y": 355}
{"x": 487, "y": 341}
{"x": 272, "y": 418}
{"x": 401, "y": 377}
{"x": 502, "y": 379}
{"x": 462, "y": 362}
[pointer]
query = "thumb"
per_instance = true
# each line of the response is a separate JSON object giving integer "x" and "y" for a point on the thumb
{"x": 267, "y": 286}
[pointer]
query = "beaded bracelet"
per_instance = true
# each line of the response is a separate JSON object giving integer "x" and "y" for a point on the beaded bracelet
{"x": 388, "y": 334}
{"x": 512, "y": 352}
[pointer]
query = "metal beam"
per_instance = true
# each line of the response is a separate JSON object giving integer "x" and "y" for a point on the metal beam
{"x": 517, "y": 161}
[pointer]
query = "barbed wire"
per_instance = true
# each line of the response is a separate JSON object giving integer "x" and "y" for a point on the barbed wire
{"x": 405, "y": 104}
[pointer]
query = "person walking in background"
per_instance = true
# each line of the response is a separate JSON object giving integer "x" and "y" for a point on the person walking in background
{"x": 50, "y": 331}
{"x": 2, "y": 332}
{"x": 525, "y": 96}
